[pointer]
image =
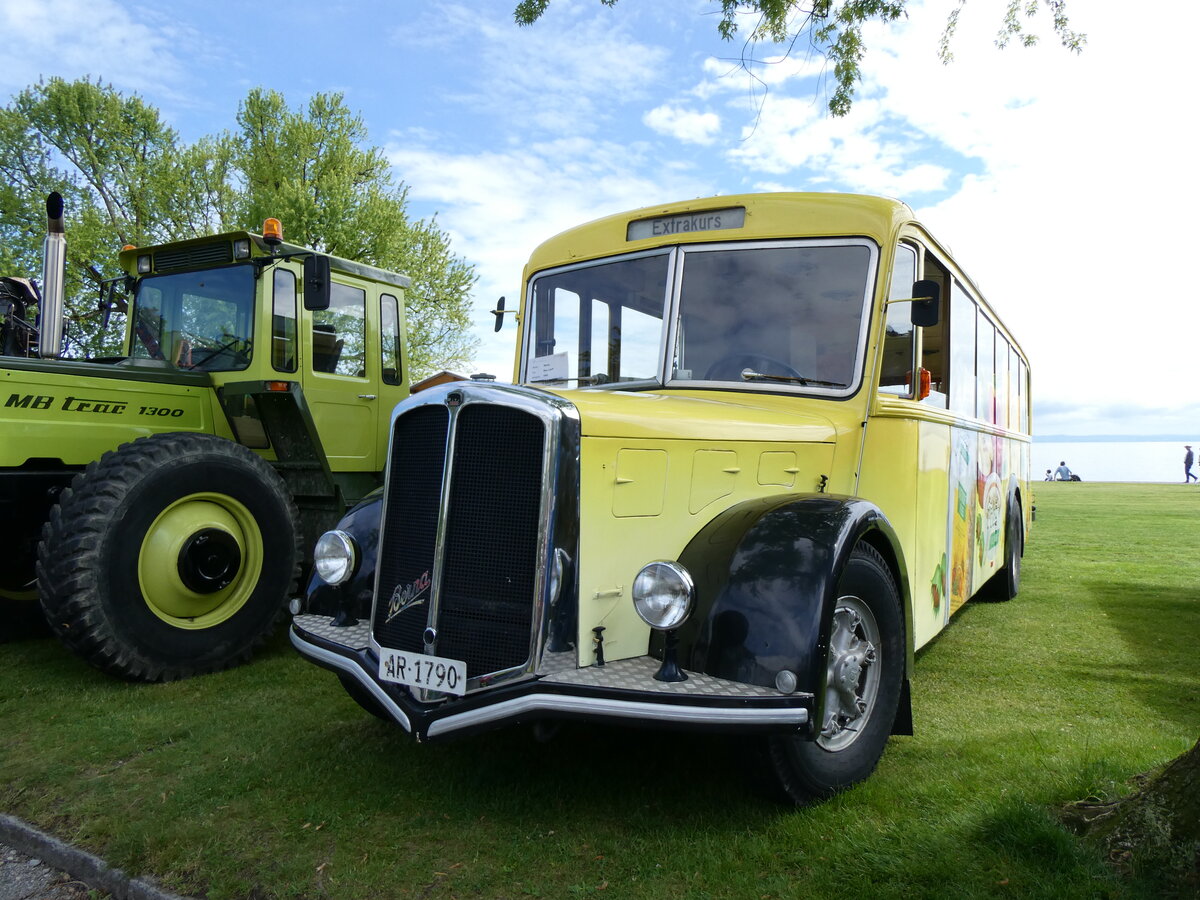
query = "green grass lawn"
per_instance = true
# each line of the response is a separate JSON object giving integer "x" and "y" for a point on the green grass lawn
{"x": 267, "y": 781}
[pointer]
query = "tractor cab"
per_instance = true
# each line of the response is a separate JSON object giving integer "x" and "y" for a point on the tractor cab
{"x": 260, "y": 316}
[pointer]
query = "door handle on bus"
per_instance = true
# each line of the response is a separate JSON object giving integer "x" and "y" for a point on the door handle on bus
{"x": 367, "y": 397}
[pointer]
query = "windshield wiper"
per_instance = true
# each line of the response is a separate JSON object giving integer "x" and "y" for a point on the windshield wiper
{"x": 582, "y": 379}
{"x": 751, "y": 375}
{"x": 600, "y": 380}
{"x": 649, "y": 384}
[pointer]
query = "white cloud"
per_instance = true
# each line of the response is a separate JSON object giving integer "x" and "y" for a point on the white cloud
{"x": 77, "y": 38}
{"x": 1074, "y": 223}
{"x": 684, "y": 125}
{"x": 564, "y": 75}
{"x": 499, "y": 206}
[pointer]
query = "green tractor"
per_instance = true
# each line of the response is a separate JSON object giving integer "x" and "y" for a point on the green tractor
{"x": 161, "y": 505}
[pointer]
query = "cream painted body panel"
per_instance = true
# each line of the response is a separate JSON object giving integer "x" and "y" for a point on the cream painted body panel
{"x": 943, "y": 486}
{"x": 707, "y": 415}
{"x": 904, "y": 474}
{"x": 644, "y": 499}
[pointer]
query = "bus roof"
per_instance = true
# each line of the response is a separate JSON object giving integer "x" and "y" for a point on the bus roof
{"x": 730, "y": 217}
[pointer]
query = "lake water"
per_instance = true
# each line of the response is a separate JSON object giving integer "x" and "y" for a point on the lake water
{"x": 1115, "y": 460}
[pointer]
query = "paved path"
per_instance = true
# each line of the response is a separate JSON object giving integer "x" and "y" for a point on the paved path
{"x": 37, "y": 866}
{"x": 26, "y": 878}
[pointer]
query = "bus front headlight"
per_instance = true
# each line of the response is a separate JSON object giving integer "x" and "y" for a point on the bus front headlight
{"x": 663, "y": 594}
{"x": 335, "y": 557}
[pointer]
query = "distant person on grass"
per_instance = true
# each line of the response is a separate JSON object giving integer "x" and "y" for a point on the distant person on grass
{"x": 1049, "y": 475}
{"x": 1188, "y": 459}
{"x": 1062, "y": 473}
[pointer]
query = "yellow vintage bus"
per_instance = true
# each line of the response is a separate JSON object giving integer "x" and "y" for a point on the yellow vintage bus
{"x": 758, "y": 450}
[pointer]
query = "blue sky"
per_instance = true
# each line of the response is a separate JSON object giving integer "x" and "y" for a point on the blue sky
{"x": 1064, "y": 184}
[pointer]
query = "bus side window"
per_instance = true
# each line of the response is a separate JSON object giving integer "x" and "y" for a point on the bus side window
{"x": 1023, "y": 397}
{"x": 985, "y": 369}
{"x": 962, "y": 351}
{"x": 1014, "y": 390}
{"x": 895, "y": 373}
{"x": 933, "y": 340}
{"x": 1002, "y": 352}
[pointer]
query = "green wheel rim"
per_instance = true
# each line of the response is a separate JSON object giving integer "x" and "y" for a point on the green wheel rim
{"x": 6, "y": 594}
{"x": 163, "y": 588}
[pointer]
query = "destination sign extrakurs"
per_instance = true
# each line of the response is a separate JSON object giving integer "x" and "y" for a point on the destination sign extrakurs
{"x": 665, "y": 226}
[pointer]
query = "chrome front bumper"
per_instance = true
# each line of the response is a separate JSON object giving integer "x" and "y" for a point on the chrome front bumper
{"x": 622, "y": 690}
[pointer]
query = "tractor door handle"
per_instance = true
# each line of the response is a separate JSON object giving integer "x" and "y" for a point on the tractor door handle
{"x": 367, "y": 397}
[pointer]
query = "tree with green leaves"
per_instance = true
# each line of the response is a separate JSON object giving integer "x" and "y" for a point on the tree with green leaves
{"x": 118, "y": 167}
{"x": 834, "y": 28}
{"x": 127, "y": 178}
{"x": 315, "y": 172}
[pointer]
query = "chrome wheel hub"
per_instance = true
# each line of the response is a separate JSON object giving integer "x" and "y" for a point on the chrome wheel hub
{"x": 852, "y": 680}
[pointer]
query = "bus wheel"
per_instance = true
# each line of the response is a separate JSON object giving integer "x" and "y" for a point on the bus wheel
{"x": 865, "y": 668}
{"x": 1005, "y": 584}
{"x": 171, "y": 556}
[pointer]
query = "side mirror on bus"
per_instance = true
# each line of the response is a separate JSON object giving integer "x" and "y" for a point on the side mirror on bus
{"x": 926, "y": 303}
{"x": 316, "y": 282}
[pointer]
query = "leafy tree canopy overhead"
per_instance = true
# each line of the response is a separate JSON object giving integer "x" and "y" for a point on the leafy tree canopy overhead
{"x": 127, "y": 178}
{"x": 834, "y": 28}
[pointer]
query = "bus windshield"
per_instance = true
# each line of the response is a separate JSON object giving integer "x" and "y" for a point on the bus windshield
{"x": 196, "y": 320}
{"x": 599, "y": 324}
{"x": 780, "y": 315}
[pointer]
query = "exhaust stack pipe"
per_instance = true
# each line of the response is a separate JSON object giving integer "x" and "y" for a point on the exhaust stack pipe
{"x": 54, "y": 264}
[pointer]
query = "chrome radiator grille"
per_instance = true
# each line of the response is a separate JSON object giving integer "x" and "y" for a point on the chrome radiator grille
{"x": 474, "y": 588}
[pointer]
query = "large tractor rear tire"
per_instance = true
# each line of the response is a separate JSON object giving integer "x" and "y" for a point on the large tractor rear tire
{"x": 171, "y": 556}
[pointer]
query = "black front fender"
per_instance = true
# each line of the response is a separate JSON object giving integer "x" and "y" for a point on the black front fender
{"x": 766, "y": 575}
{"x": 352, "y": 598}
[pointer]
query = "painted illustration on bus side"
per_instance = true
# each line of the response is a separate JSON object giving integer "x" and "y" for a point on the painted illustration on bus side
{"x": 976, "y": 515}
{"x": 962, "y": 515}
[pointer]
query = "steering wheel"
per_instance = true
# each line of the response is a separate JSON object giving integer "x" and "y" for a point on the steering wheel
{"x": 729, "y": 367}
{"x": 210, "y": 354}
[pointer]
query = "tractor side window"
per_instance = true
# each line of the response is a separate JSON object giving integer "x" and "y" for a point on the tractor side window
{"x": 283, "y": 322}
{"x": 148, "y": 323}
{"x": 389, "y": 334}
{"x": 339, "y": 333}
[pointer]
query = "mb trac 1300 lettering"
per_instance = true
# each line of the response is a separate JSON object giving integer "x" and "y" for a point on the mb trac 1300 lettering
{"x": 156, "y": 503}
{"x": 759, "y": 450}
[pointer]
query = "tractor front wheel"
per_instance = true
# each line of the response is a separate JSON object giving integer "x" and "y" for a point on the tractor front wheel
{"x": 171, "y": 556}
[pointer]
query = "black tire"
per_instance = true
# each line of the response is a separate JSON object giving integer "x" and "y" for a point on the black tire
{"x": 867, "y": 648}
{"x": 1006, "y": 583}
{"x": 362, "y": 697}
{"x": 171, "y": 556}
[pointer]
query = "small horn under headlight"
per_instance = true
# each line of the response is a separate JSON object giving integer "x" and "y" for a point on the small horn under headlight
{"x": 663, "y": 594}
